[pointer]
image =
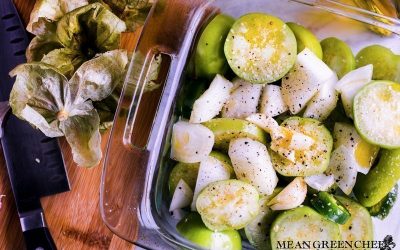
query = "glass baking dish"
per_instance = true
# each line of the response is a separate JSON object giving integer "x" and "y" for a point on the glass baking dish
{"x": 134, "y": 193}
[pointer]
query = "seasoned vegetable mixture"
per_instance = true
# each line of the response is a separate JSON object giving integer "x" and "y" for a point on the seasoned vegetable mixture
{"x": 293, "y": 139}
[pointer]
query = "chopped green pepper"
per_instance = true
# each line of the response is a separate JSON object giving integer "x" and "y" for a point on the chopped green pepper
{"x": 373, "y": 187}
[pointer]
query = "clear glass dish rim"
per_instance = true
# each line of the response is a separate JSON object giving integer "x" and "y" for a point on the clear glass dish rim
{"x": 160, "y": 232}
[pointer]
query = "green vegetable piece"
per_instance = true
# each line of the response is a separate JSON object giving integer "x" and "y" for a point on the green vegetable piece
{"x": 338, "y": 56}
{"x": 359, "y": 227}
{"x": 257, "y": 231}
{"x": 308, "y": 162}
{"x": 185, "y": 171}
{"x": 381, "y": 209}
{"x": 85, "y": 32}
{"x": 302, "y": 224}
{"x": 209, "y": 56}
{"x": 224, "y": 159}
{"x": 226, "y": 129}
{"x": 260, "y": 48}
{"x": 305, "y": 39}
{"x": 330, "y": 208}
{"x": 386, "y": 63}
{"x": 241, "y": 198}
{"x": 380, "y": 180}
{"x": 379, "y": 123}
{"x": 57, "y": 106}
{"x": 192, "y": 228}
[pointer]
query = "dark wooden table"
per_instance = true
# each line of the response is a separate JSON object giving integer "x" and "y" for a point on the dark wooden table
{"x": 73, "y": 217}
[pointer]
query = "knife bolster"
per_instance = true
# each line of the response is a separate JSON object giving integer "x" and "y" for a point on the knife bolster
{"x": 32, "y": 220}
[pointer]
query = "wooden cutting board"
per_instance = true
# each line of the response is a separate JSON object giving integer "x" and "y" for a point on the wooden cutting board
{"x": 73, "y": 217}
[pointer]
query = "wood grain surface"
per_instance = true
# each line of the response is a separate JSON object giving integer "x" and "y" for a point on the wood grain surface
{"x": 73, "y": 217}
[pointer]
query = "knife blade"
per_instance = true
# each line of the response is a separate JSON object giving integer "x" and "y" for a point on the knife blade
{"x": 34, "y": 162}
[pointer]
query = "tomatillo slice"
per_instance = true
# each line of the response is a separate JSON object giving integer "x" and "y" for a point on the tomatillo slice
{"x": 226, "y": 129}
{"x": 260, "y": 48}
{"x": 209, "y": 56}
{"x": 302, "y": 224}
{"x": 312, "y": 161}
{"x": 192, "y": 228}
{"x": 257, "y": 231}
{"x": 376, "y": 109}
{"x": 222, "y": 157}
{"x": 185, "y": 171}
{"x": 228, "y": 204}
{"x": 330, "y": 208}
{"x": 338, "y": 56}
{"x": 359, "y": 227}
{"x": 305, "y": 39}
{"x": 386, "y": 63}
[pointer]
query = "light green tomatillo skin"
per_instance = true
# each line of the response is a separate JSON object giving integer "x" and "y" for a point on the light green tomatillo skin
{"x": 185, "y": 171}
{"x": 302, "y": 224}
{"x": 209, "y": 56}
{"x": 338, "y": 56}
{"x": 305, "y": 39}
{"x": 386, "y": 63}
{"x": 193, "y": 229}
{"x": 257, "y": 231}
{"x": 225, "y": 129}
{"x": 359, "y": 227}
{"x": 226, "y": 161}
{"x": 382, "y": 209}
{"x": 373, "y": 187}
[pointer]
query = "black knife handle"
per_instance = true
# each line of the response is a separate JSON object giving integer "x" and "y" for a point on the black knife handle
{"x": 38, "y": 239}
{"x": 34, "y": 228}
